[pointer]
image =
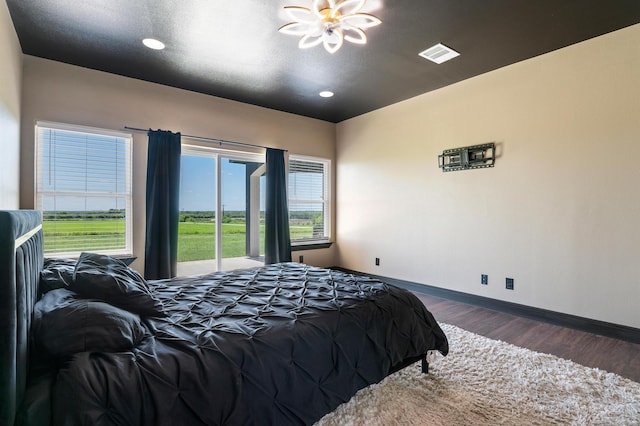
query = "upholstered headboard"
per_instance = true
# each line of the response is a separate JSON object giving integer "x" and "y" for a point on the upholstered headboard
{"x": 21, "y": 259}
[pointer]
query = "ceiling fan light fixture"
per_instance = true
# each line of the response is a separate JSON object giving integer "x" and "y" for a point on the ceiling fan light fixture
{"x": 343, "y": 7}
{"x": 355, "y": 35}
{"x": 308, "y": 41}
{"x": 332, "y": 41}
{"x": 294, "y": 28}
{"x": 330, "y": 23}
{"x": 300, "y": 14}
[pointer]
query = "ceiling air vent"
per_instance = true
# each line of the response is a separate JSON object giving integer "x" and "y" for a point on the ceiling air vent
{"x": 439, "y": 53}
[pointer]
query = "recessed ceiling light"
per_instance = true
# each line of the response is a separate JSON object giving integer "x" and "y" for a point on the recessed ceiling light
{"x": 326, "y": 94}
{"x": 152, "y": 43}
{"x": 439, "y": 53}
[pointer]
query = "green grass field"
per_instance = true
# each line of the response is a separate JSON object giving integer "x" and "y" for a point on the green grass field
{"x": 74, "y": 235}
{"x": 196, "y": 240}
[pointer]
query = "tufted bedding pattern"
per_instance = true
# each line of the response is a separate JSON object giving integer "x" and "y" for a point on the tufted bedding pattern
{"x": 280, "y": 345}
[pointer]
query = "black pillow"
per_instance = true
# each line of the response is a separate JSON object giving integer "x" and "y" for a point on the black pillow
{"x": 56, "y": 273}
{"x": 64, "y": 324}
{"x": 105, "y": 278}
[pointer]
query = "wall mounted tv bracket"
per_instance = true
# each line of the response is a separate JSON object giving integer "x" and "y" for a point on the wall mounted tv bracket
{"x": 469, "y": 157}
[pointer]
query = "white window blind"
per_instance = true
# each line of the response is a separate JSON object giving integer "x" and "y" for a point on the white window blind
{"x": 83, "y": 188}
{"x": 309, "y": 196}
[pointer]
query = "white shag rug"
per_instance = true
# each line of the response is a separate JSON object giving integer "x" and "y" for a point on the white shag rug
{"x": 489, "y": 382}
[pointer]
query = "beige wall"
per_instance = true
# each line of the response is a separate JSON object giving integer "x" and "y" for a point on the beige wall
{"x": 558, "y": 213}
{"x": 10, "y": 92}
{"x": 58, "y": 92}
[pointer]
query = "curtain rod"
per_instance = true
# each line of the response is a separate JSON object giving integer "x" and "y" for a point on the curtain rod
{"x": 202, "y": 138}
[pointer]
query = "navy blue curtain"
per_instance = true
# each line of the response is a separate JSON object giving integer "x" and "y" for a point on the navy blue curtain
{"x": 277, "y": 241}
{"x": 163, "y": 192}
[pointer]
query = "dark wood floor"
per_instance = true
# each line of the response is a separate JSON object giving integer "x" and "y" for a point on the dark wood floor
{"x": 588, "y": 349}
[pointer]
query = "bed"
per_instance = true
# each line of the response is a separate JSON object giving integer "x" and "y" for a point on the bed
{"x": 89, "y": 341}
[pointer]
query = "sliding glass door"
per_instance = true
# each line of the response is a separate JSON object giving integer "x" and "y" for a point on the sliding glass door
{"x": 241, "y": 211}
{"x": 221, "y": 211}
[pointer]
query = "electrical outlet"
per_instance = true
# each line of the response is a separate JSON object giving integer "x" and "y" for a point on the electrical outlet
{"x": 484, "y": 279}
{"x": 301, "y": 259}
{"x": 509, "y": 283}
{"x": 377, "y": 261}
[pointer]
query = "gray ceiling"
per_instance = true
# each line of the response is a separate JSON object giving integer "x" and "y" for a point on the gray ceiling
{"x": 232, "y": 49}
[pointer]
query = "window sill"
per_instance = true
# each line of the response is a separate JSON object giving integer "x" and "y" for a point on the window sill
{"x": 128, "y": 259}
{"x": 311, "y": 245}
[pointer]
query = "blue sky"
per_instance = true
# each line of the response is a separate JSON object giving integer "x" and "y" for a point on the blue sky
{"x": 197, "y": 186}
{"x": 197, "y": 183}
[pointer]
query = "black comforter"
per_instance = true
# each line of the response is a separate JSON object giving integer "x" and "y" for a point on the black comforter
{"x": 279, "y": 345}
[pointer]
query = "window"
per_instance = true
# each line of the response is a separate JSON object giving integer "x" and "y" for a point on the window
{"x": 309, "y": 198}
{"x": 83, "y": 188}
